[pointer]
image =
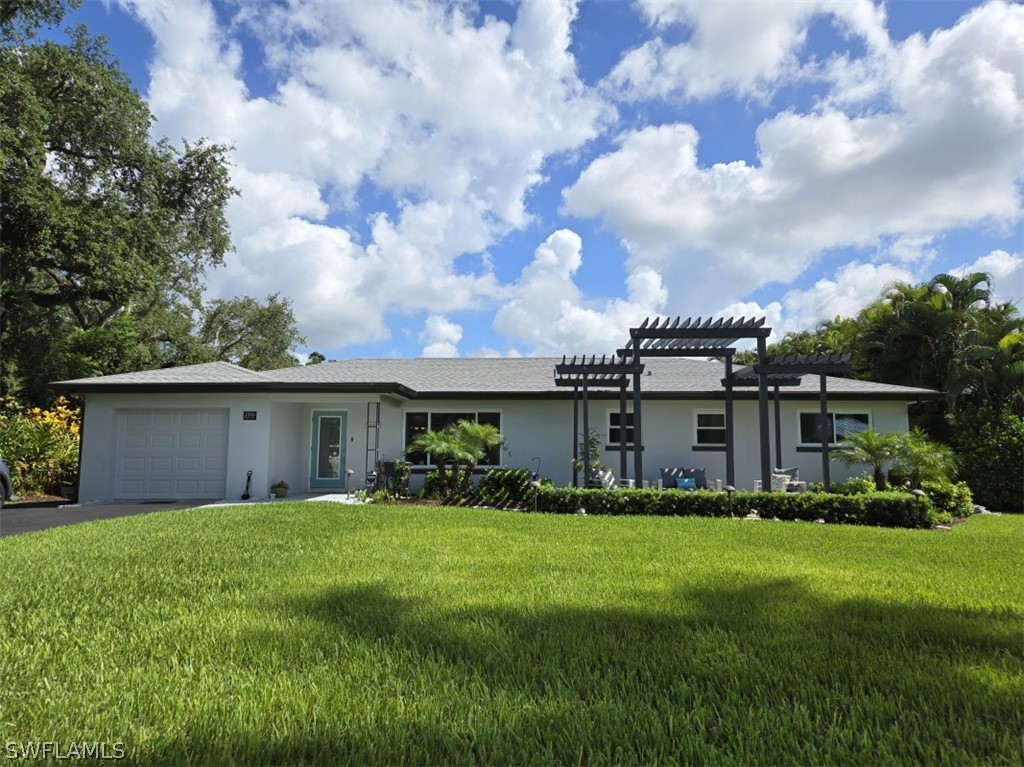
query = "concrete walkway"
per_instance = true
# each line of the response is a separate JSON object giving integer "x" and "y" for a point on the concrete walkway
{"x": 15, "y": 519}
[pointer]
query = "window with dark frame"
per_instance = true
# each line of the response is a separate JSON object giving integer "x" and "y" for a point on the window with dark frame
{"x": 838, "y": 427}
{"x": 710, "y": 427}
{"x": 615, "y": 428}
{"x": 417, "y": 423}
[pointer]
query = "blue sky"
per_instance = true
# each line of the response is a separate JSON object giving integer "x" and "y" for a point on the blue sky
{"x": 517, "y": 179}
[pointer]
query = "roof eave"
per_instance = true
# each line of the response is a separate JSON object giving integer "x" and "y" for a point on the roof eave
{"x": 269, "y": 387}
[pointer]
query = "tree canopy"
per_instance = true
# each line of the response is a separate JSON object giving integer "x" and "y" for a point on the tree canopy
{"x": 107, "y": 236}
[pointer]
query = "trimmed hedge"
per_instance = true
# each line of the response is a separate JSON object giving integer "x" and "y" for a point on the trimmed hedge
{"x": 879, "y": 509}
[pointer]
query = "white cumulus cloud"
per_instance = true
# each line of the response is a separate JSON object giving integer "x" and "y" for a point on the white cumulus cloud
{"x": 441, "y": 337}
{"x": 940, "y": 151}
{"x": 548, "y": 313}
{"x": 449, "y": 120}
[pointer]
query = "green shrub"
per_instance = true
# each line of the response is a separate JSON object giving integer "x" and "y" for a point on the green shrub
{"x": 431, "y": 485}
{"x": 41, "y": 448}
{"x": 990, "y": 443}
{"x": 952, "y": 498}
{"x": 853, "y": 486}
{"x": 889, "y": 509}
{"x": 402, "y": 470}
{"x": 507, "y": 488}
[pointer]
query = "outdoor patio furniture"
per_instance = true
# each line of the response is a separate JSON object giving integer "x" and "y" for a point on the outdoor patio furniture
{"x": 670, "y": 477}
{"x": 603, "y": 480}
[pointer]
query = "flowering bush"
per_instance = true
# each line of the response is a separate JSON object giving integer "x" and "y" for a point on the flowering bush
{"x": 40, "y": 446}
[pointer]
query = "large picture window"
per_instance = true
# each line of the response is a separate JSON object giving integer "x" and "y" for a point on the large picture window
{"x": 709, "y": 427}
{"x": 838, "y": 426}
{"x": 616, "y": 430}
{"x": 417, "y": 423}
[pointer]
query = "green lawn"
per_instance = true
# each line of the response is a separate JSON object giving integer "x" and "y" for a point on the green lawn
{"x": 319, "y": 633}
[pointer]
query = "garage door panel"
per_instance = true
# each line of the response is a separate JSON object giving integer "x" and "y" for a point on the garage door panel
{"x": 165, "y": 420}
{"x": 188, "y": 463}
{"x": 160, "y": 463}
{"x": 171, "y": 454}
{"x": 135, "y": 441}
{"x": 191, "y": 440}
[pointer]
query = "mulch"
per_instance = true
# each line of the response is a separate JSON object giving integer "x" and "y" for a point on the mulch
{"x": 37, "y": 501}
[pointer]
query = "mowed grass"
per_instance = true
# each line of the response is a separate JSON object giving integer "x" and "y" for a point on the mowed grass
{"x": 294, "y": 633}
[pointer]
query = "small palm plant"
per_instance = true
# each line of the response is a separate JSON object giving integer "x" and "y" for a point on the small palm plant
{"x": 869, "y": 448}
{"x": 463, "y": 445}
{"x": 920, "y": 459}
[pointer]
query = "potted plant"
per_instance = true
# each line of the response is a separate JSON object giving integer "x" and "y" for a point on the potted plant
{"x": 279, "y": 489}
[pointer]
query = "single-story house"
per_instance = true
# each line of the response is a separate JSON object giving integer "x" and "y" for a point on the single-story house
{"x": 197, "y": 432}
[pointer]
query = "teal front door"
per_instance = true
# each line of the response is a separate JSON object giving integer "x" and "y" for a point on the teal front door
{"x": 327, "y": 454}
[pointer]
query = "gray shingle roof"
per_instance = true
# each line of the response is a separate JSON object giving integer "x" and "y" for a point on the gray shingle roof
{"x": 466, "y": 377}
{"x": 207, "y": 372}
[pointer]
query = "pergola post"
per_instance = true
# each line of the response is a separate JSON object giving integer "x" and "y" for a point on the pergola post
{"x": 622, "y": 433}
{"x": 730, "y": 442}
{"x": 586, "y": 434}
{"x": 825, "y": 436}
{"x": 778, "y": 430}
{"x": 575, "y": 435}
{"x": 762, "y": 406}
{"x": 638, "y": 441}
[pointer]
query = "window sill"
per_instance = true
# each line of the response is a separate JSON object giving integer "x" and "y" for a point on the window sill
{"x": 708, "y": 448}
{"x": 815, "y": 448}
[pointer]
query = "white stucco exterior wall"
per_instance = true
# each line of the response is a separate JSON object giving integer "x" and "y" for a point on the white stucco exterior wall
{"x": 277, "y": 444}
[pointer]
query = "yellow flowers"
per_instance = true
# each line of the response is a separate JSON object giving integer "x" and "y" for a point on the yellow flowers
{"x": 40, "y": 446}
{"x": 61, "y": 416}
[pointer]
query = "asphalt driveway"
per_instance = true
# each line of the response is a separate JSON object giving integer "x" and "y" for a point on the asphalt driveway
{"x": 16, "y": 519}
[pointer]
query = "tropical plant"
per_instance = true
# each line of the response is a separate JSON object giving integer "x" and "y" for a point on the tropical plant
{"x": 990, "y": 444}
{"x": 869, "y": 448}
{"x": 40, "y": 446}
{"x": 919, "y": 458}
{"x": 456, "y": 450}
{"x": 590, "y": 455}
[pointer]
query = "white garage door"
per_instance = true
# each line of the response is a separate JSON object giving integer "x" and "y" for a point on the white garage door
{"x": 171, "y": 454}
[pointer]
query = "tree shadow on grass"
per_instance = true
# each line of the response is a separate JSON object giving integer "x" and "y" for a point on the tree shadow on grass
{"x": 756, "y": 672}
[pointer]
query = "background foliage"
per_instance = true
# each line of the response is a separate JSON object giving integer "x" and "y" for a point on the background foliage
{"x": 107, "y": 235}
{"x": 951, "y": 335}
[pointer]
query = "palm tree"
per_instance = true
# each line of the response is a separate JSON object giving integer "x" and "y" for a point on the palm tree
{"x": 869, "y": 448}
{"x": 462, "y": 444}
{"x": 920, "y": 459}
{"x": 441, "y": 447}
{"x": 476, "y": 440}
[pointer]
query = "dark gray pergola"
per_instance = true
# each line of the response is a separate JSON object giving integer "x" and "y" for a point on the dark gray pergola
{"x": 788, "y": 371}
{"x": 708, "y": 338}
{"x": 584, "y": 374}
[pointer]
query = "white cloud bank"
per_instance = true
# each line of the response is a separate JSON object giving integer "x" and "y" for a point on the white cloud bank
{"x": 446, "y": 124}
{"x": 450, "y": 121}
{"x": 914, "y": 139}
